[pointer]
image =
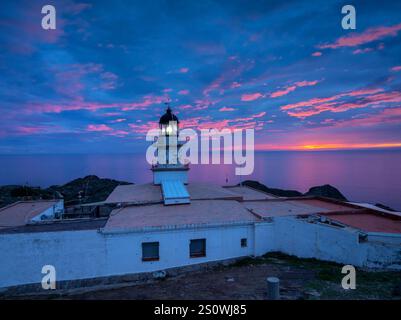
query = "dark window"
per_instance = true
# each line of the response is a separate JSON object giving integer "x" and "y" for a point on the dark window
{"x": 197, "y": 248}
{"x": 150, "y": 251}
{"x": 244, "y": 242}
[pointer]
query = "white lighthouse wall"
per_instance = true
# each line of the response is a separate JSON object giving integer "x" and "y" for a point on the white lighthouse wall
{"x": 74, "y": 254}
{"x": 90, "y": 254}
{"x": 125, "y": 255}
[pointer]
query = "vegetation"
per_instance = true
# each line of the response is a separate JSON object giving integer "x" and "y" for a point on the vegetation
{"x": 326, "y": 284}
{"x": 82, "y": 190}
{"x": 277, "y": 192}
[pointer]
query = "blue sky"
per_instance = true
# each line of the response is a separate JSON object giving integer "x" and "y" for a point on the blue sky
{"x": 286, "y": 68}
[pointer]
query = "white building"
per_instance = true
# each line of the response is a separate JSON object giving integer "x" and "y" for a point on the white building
{"x": 146, "y": 233}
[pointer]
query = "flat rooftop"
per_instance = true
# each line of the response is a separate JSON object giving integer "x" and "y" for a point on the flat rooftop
{"x": 368, "y": 221}
{"x": 199, "y": 212}
{"x": 54, "y": 226}
{"x": 376, "y": 208}
{"x": 21, "y": 212}
{"x": 285, "y": 207}
{"x": 248, "y": 193}
{"x": 149, "y": 193}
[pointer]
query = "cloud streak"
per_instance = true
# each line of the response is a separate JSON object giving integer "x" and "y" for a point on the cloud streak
{"x": 292, "y": 88}
{"x": 360, "y": 99}
{"x": 369, "y": 35}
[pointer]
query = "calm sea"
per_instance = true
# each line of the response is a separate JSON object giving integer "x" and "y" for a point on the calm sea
{"x": 369, "y": 176}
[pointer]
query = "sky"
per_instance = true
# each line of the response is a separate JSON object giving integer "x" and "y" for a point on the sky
{"x": 287, "y": 69}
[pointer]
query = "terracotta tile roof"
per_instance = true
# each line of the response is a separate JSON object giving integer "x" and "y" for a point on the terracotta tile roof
{"x": 286, "y": 207}
{"x": 248, "y": 193}
{"x": 199, "y": 212}
{"x": 21, "y": 212}
{"x": 369, "y": 221}
{"x": 149, "y": 193}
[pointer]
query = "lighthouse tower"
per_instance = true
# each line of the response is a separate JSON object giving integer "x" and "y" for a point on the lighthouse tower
{"x": 168, "y": 171}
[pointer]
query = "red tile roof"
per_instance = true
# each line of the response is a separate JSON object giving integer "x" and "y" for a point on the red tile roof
{"x": 369, "y": 221}
{"x": 21, "y": 212}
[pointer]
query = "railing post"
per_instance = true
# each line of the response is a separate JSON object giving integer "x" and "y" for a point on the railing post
{"x": 273, "y": 288}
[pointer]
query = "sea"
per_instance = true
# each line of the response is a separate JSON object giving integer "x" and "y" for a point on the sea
{"x": 372, "y": 176}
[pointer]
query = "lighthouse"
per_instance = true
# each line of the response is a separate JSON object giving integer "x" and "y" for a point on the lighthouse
{"x": 168, "y": 172}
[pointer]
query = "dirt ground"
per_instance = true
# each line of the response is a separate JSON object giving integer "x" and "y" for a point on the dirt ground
{"x": 246, "y": 279}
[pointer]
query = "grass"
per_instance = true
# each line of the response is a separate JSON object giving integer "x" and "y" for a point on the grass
{"x": 370, "y": 284}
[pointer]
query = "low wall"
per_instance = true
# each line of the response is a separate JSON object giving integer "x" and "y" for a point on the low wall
{"x": 304, "y": 239}
{"x": 383, "y": 251}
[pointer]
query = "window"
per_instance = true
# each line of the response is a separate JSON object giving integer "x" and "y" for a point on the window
{"x": 244, "y": 242}
{"x": 197, "y": 248}
{"x": 150, "y": 251}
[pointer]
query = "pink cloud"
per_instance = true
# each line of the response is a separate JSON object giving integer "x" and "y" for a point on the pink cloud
{"x": 228, "y": 78}
{"x": 396, "y": 68}
{"x": 35, "y": 129}
{"x": 29, "y": 130}
{"x": 201, "y": 104}
{"x": 215, "y": 85}
{"x": 184, "y": 70}
{"x": 112, "y": 114}
{"x": 306, "y": 83}
{"x": 367, "y": 98}
{"x": 234, "y": 85}
{"x": 91, "y": 106}
{"x": 119, "y": 120}
{"x": 70, "y": 78}
{"x": 369, "y": 35}
{"x": 198, "y": 123}
{"x": 118, "y": 133}
{"x": 147, "y": 101}
{"x": 360, "y": 51}
{"x": 109, "y": 80}
{"x": 225, "y": 109}
{"x": 183, "y": 92}
{"x": 289, "y": 89}
{"x": 316, "y": 54}
{"x": 259, "y": 115}
{"x": 98, "y": 128}
{"x": 143, "y": 128}
{"x": 185, "y": 107}
{"x": 252, "y": 117}
{"x": 317, "y": 101}
{"x": 251, "y": 96}
{"x": 102, "y": 128}
{"x": 386, "y": 116}
{"x": 284, "y": 92}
